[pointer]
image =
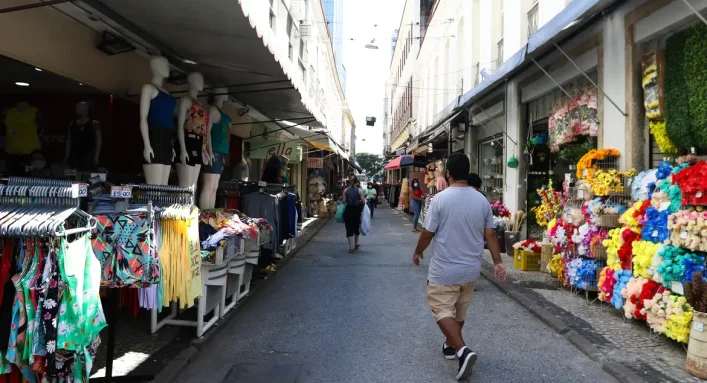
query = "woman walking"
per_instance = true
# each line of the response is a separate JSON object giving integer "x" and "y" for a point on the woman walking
{"x": 417, "y": 199}
{"x": 353, "y": 199}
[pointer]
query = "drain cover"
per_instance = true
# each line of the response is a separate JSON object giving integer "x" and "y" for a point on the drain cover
{"x": 249, "y": 373}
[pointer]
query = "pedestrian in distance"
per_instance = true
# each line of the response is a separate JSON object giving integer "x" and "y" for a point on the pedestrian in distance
{"x": 417, "y": 198}
{"x": 371, "y": 198}
{"x": 353, "y": 198}
{"x": 475, "y": 181}
{"x": 458, "y": 219}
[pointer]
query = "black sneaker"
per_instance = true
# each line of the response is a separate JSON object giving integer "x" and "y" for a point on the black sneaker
{"x": 466, "y": 363}
{"x": 448, "y": 352}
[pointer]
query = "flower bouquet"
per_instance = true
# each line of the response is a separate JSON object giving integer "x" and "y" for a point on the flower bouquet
{"x": 499, "y": 209}
{"x": 552, "y": 204}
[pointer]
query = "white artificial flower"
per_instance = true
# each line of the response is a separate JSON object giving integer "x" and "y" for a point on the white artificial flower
{"x": 51, "y": 346}
{"x": 49, "y": 304}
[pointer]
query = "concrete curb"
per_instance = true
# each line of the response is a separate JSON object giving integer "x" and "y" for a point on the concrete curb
{"x": 617, "y": 370}
{"x": 175, "y": 367}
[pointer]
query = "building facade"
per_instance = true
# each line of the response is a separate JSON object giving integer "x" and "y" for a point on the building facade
{"x": 334, "y": 13}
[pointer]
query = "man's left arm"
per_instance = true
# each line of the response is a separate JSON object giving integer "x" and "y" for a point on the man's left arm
{"x": 499, "y": 270}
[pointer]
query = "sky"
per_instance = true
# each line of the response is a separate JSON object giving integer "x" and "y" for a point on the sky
{"x": 368, "y": 69}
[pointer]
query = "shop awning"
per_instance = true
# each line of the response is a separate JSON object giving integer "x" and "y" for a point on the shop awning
{"x": 560, "y": 27}
{"x": 354, "y": 165}
{"x": 220, "y": 40}
{"x": 437, "y": 130}
{"x": 317, "y": 139}
{"x": 562, "y": 24}
{"x": 399, "y": 162}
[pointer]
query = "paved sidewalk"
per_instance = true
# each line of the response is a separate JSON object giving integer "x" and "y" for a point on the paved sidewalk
{"x": 331, "y": 316}
{"x": 653, "y": 358}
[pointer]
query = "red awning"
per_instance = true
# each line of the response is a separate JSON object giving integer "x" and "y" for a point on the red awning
{"x": 399, "y": 162}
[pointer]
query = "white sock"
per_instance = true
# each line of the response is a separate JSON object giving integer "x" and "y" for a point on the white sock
{"x": 460, "y": 352}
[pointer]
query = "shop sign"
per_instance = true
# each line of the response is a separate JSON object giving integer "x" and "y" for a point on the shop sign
{"x": 315, "y": 163}
{"x": 265, "y": 149}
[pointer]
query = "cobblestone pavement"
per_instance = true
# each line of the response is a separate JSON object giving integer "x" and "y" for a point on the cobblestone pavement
{"x": 652, "y": 356}
{"x": 331, "y": 316}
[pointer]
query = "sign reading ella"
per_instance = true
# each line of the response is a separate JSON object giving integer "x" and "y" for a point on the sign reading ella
{"x": 264, "y": 149}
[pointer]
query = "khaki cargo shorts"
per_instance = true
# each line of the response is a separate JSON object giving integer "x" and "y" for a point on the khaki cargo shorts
{"x": 449, "y": 301}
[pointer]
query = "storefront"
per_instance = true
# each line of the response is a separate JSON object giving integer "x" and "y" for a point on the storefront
{"x": 96, "y": 128}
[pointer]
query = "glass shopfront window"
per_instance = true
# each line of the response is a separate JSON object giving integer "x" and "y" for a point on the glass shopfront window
{"x": 491, "y": 167}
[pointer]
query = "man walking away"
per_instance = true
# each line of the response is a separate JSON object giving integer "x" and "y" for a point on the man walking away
{"x": 371, "y": 195}
{"x": 459, "y": 218}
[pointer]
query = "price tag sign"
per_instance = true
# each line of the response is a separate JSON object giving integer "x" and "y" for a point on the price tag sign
{"x": 568, "y": 177}
{"x": 262, "y": 183}
{"x": 683, "y": 235}
{"x": 655, "y": 233}
{"x": 69, "y": 172}
{"x": 698, "y": 194}
{"x": 664, "y": 205}
{"x": 83, "y": 190}
{"x": 580, "y": 193}
{"x": 677, "y": 288}
{"x": 101, "y": 175}
{"x": 585, "y": 172}
{"x": 697, "y": 326}
{"x": 121, "y": 192}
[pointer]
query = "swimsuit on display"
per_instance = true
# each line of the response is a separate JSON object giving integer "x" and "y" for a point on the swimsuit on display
{"x": 160, "y": 121}
{"x": 220, "y": 139}
{"x": 195, "y": 127}
{"x": 83, "y": 145}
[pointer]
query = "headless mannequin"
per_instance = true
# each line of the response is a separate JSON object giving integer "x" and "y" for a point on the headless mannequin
{"x": 189, "y": 174}
{"x": 155, "y": 173}
{"x": 209, "y": 186}
{"x": 81, "y": 122}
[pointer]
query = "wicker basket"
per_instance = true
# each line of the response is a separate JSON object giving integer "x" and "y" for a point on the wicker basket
{"x": 546, "y": 257}
{"x": 599, "y": 252}
{"x": 608, "y": 220}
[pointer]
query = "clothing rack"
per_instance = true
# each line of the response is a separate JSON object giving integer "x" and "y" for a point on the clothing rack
{"x": 162, "y": 195}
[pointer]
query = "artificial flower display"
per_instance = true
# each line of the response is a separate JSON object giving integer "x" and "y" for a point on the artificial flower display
{"x": 622, "y": 278}
{"x": 583, "y": 273}
{"x": 665, "y": 169}
{"x": 679, "y": 319}
{"x": 692, "y": 183}
{"x": 634, "y": 216}
{"x": 639, "y": 186}
{"x": 660, "y": 135}
{"x": 630, "y": 294}
{"x": 689, "y": 228}
{"x": 643, "y": 252}
{"x": 612, "y": 243}
{"x": 530, "y": 245}
{"x": 689, "y": 159}
{"x": 556, "y": 267}
{"x": 499, "y": 209}
{"x": 552, "y": 204}
{"x": 656, "y": 262}
{"x": 587, "y": 166}
{"x": 597, "y": 240}
{"x": 607, "y": 285}
{"x": 655, "y": 227}
{"x": 667, "y": 195}
{"x": 625, "y": 252}
{"x": 678, "y": 265}
{"x": 605, "y": 182}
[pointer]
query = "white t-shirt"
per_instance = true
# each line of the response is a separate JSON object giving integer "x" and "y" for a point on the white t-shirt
{"x": 458, "y": 217}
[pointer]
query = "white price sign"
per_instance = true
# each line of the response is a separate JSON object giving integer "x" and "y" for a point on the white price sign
{"x": 121, "y": 192}
{"x": 677, "y": 288}
{"x": 683, "y": 235}
{"x": 580, "y": 193}
{"x": 83, "y": 190}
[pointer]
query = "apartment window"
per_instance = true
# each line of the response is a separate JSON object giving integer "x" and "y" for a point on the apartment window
{"x": 290, "y": 23}
{"x": 499, "y": 60}
{"x": 302, "y": 49}
{"x": 273, "y": 20}
{"x": 533, "y": 20}
{"x": 303, "y": 70}
{"x": 290, "y": 51}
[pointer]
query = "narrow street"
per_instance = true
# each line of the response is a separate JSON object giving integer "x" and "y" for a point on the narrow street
{"x": 330, "y": 316}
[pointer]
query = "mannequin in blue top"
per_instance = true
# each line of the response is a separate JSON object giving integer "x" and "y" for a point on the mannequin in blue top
{"x": 220, "y": 138}
{"x": 157, "y": 124}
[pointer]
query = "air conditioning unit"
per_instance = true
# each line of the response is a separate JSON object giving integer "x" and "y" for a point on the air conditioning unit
{"x": 305, "y": 29}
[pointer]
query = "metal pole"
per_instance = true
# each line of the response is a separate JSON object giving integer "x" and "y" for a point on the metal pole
{"x": 698, "y": 14}
{"x": 263, "y": 122}
{"x": 590, "y": 80}
{"x": 281, "y": 128}
{"x": 34, "y": 5}
{"x": 553, "y": 79}
{"x": 503, "y": 130}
